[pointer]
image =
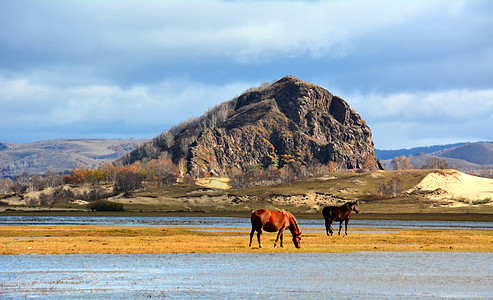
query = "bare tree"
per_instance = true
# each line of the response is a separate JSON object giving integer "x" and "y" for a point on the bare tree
{"x": 435, "y": 163}
{"x": 401, "y": 163}
{"x": 394, "y": 186}
{"x": 6, "y": 185}
{"x": 382, "y": 188}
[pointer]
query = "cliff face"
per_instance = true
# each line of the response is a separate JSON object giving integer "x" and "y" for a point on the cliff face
{"x": 288, "y": 122}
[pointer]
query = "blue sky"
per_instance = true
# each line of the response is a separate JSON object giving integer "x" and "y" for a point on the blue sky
{"x": 419, "y": 72}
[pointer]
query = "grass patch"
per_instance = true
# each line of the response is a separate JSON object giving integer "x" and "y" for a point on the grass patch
{"x": 94, "y": 239}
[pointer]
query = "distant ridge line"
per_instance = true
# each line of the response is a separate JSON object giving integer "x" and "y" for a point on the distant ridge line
{"x": 390, "y": 154}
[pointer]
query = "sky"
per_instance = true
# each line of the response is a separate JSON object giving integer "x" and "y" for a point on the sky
{"x": 418, "y": 72}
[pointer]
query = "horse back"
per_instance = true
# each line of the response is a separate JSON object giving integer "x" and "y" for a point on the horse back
{"x": 268, "y": 220}
{"x": 335, "y": 213}
{"x": 329, "y": 212}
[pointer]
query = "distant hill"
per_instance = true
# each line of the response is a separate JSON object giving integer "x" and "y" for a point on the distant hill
{"x": 466, "y": 156}
{"x": 61, "y": 155}
{"x": 290, "y": 122}
{"x": 477, "y": 153}
{"x": 390, "y": 154}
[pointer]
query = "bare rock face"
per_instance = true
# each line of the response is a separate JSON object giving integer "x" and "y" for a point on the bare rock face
{"x": 289, "y": 122}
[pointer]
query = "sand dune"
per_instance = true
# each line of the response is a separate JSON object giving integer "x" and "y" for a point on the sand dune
{"x": 454, "y": 184}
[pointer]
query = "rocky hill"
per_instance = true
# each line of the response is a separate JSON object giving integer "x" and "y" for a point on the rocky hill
{"x": 61, "y": 155}
{"x": 290, "y": 122}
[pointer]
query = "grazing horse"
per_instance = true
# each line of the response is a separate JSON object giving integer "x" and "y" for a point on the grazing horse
{"x": 272, "y": 221}
{"x": 341, "y": 213}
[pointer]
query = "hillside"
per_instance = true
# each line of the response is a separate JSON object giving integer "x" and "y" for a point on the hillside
{"x": 466, "y": 156}
{"x": 60, "y": 155}
{"x": 290, "y": 122}
{"x": 421, "y": 192}
{"x": 476, "y": 153}
{"x": 390, "y": 154}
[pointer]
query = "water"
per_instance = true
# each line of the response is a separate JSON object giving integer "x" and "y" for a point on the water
{"x": 230, "y": 222}
{"x": 364, "y": 275}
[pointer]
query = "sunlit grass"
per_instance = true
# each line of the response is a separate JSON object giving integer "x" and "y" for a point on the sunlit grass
{"x": 94, "y": 239}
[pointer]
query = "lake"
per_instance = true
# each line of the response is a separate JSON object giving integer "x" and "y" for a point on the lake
{"x": 230, "y": 222}
{"x": 363, "y": 275}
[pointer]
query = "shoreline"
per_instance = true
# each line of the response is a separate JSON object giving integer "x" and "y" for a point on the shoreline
{"x": 444, "y": 216}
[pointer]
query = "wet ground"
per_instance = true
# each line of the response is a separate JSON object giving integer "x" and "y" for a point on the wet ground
{"x": 364, "y": 275}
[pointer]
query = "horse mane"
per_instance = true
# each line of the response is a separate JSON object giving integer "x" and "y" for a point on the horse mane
{"x": 293, "y": 219}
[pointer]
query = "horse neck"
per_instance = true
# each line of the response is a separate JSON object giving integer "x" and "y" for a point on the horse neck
{"x": 293, "y": 226}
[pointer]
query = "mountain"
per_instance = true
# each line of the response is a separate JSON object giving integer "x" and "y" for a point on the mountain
{"x": 390, "y": 154}
{"x": 477, "y": 153}
{"x": 466, "y": 156}
{"x": 288, "y": 122}
{"x": 60, "y": 155}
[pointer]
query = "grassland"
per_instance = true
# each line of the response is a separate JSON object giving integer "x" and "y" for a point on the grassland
{"x": 91, "y": 239}
{"x": 305, "y": 198}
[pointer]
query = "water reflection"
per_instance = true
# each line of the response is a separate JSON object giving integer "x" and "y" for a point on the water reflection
{"x": 384, "y": 275}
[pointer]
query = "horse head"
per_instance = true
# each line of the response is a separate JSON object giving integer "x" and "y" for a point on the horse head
{"x": 297, "y": 239}
{"x": 355, "y": 207}
{"x": 295, "y": 231}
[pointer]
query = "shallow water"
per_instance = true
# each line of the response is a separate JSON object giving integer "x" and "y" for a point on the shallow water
{"x": 384, "y": 275}
{"x": 229, "y": 222}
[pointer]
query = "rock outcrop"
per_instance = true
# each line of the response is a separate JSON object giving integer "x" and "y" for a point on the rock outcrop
{"x": 288, "y": 122}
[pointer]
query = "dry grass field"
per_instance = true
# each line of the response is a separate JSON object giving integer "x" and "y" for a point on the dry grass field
{"x": 92, "y": 239}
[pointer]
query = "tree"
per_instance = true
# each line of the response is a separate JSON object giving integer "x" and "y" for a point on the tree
{"x": 369, "y": 162}
{"x": 182, "y": 166}
{"x": 165, "y": 172}
{"x": 435, "y": 163}
{"x": 394, "y": 186}
{"x": 382, "y": 189}
{"x": 401, "y": 163}
{"x": 127, "y": 179}
{"x": 6, "y": 185}
{"x": 21, "y": 183}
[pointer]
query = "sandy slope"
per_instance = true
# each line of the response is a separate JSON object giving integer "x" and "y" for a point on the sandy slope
{"x": 454, "y": 184}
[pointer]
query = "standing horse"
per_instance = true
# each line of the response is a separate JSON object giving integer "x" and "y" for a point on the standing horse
{"x": 272, "y": 221}
{"x": 341, "y": 213}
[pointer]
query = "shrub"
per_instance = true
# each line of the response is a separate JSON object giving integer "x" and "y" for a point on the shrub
{"x": 482, "y": 201}
{"x": 105, "y": 205}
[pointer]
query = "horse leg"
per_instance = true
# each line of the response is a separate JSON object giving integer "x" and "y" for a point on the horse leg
{"x": 259, "y": 232}
{"x": 345, "y": 223}
{"x": 251, "y": 236}
{"x": 279, "y": 235}
{"x": 328, "y": 228}
{"x": 340, "y": 227}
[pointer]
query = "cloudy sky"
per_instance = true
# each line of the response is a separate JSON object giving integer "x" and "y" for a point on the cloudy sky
{"x": 419, "y": 72}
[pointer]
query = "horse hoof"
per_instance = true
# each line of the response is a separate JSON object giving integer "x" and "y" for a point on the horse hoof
{"x": 260, "y": 246}
{"x": 275, "y": 246}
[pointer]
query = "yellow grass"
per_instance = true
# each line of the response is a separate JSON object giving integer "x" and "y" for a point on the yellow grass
{"x": 92, "y": 239}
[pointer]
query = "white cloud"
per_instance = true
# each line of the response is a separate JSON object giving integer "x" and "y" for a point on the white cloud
{"x": 420, "y": 66}
{"x": 421, "y": 118}
{"x": 241, "y": 31}
{"x": 27, "y": 106}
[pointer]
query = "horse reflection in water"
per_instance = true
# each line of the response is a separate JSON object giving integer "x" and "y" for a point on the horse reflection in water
{"x": 341, "y": 214}
{"x": 272, "y": 221}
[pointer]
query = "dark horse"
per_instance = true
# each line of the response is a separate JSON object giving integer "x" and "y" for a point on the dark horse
{"x": 338, "y": 213}
{"x": 272, "y": 221}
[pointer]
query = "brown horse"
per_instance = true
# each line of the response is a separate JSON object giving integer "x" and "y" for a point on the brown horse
{"x": 272, "y": 221}
{"x": 341, "y": 213}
